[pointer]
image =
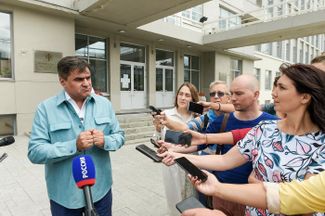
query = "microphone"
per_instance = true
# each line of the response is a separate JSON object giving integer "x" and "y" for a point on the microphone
{"x": 7, "y": 140}
{"x": 83, "y": 170}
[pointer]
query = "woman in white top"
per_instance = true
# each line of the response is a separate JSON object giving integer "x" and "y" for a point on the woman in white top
{"x": 174, "y": 178}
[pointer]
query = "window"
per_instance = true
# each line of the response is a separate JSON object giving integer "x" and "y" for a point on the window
{"x": 268, "y": 80}
{"x": 236, "y": 67}
{"x": 93, "y": 49}
{"x": 279, "y": 49}
{"x": 5, "y": 46}
{"x": 306, "y": 54}
{"x": 266, "y": 48}
{"x": 194, "y": 13}
{"x": 224, "y": 22}
{"x": 164, "y": 58}
{"x": 192, "y": 70}
{"x": 269, "y": 11}
{"x": 7, "y": 125}
{"x": 132, "y": 53}
{"x": 301, "y": 52}
{"x": 173, "y": 19}
{"x": 294, "y": 50}
{"x": 164, "y": 70}
{"x": 288, "y": 50}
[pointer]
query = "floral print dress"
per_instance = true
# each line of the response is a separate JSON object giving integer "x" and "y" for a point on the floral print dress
{"x": 281, "y": 157}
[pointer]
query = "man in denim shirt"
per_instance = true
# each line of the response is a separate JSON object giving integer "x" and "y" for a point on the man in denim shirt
{"x": 76, "y": 121}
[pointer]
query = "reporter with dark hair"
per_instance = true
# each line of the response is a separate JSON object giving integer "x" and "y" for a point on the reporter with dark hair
{"x": 281, "y": 150}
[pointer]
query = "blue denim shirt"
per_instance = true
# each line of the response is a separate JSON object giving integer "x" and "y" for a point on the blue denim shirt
{"x": 55, "y": 130}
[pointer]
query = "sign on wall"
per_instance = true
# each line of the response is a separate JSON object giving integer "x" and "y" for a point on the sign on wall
{"x": 46, "y": 62}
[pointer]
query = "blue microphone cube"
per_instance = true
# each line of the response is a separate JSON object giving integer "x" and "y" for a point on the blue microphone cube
{"x": 83, "y": 170}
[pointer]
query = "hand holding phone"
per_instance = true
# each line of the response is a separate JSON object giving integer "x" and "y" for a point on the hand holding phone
{"x": 154, "y": 142}
{"x": 178, "y": 137}
{"x": 188, "y": 203}
{"x": 191, "y": 168}
{"x": 154, "y": 110}
{"x": 148, "y": 152}
{"x": 195, "y": 107}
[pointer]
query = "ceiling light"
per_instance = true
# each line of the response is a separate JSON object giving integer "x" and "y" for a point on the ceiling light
{"x": 161, "y": 40}
{"x": 121, "y": 31}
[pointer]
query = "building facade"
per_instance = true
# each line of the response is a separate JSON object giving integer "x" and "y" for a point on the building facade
{"x": 135, "y": 61}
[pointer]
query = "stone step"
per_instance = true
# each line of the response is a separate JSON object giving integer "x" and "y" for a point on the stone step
{"x": 130, "y": 118}
{"x": 136, "y": 124}
{"x": 132, "y": 130}
{"x": 138, "y": 141}
{"x": 138, "y": 127}
{"x": 147, "y": 134}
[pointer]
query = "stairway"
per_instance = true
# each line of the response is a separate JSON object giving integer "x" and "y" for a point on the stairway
{"x": 138, "y": 127}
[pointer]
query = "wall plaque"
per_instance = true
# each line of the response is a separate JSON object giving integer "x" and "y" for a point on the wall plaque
{"x": 46, "y": 62}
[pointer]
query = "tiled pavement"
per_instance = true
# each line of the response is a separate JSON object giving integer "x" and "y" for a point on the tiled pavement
{"x": 137, "y": 188}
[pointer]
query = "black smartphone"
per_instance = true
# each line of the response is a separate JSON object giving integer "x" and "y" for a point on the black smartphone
{"x": 154, "y": 142}
{"x": 189, "y": 203}
{"x": 195, "y": 107}
{"x": 155, "y": 110}
{"x": 191, "y": 168}
{"x": 178, "y": 137}
{"x": 148, "y": 152}
{"x": 3, "y": 156}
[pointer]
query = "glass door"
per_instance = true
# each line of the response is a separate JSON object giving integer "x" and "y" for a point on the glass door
{"x": 165, "y": 93}
{"x": 132, "y": 85}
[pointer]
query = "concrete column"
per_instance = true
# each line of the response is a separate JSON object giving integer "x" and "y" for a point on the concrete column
{"x": 222, "y": 68}
{"x": 248, "y": 66}
{"x": 114, "y": 70}
{"x": 151, "y": 78}
{"x": 179, "y": 68}
{"x": 208, "y": 71}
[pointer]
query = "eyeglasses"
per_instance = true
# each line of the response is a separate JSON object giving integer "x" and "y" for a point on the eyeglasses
{"x": 218, "y": 93}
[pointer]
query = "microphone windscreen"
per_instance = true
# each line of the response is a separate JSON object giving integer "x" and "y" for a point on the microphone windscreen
{"x": 83, "y": 170}
{"x": 7, "y": 140}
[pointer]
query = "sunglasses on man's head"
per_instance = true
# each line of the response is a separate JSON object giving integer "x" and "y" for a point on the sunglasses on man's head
{"x": 218, "y": 93}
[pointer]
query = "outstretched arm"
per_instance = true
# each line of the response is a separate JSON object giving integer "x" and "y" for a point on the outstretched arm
{"x": 163, "y": 119}
{"x": 286, "y": 198}
{"x": 218, "y": 138}
{"x": 202, "y": 212}
{"x": 220, "y": 107}
{"x": 231, "y": 159}
{"x": 246, "y": 194}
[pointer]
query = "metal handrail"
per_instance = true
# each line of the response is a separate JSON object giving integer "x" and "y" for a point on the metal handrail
{"x": 265, "y": 14}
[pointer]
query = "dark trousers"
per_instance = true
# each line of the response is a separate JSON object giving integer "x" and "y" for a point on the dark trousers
{"x": 103, "y": 207}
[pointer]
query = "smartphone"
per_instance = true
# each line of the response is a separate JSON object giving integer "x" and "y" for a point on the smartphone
{"x": 148, "y": 152}
{"x": 178, "y": 137}
{"x": 3, "y": 156}
{"x": 189, "y": 203}
{"x": 195, "y": 107}
{"x": 155, "y": 110}
{"x": 154, "y": 142}
{"x": 191, "y": 168}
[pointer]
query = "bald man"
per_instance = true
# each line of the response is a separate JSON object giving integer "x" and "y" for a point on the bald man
{"x": 244, "y": 96}
{"x": 319, "y": 62}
